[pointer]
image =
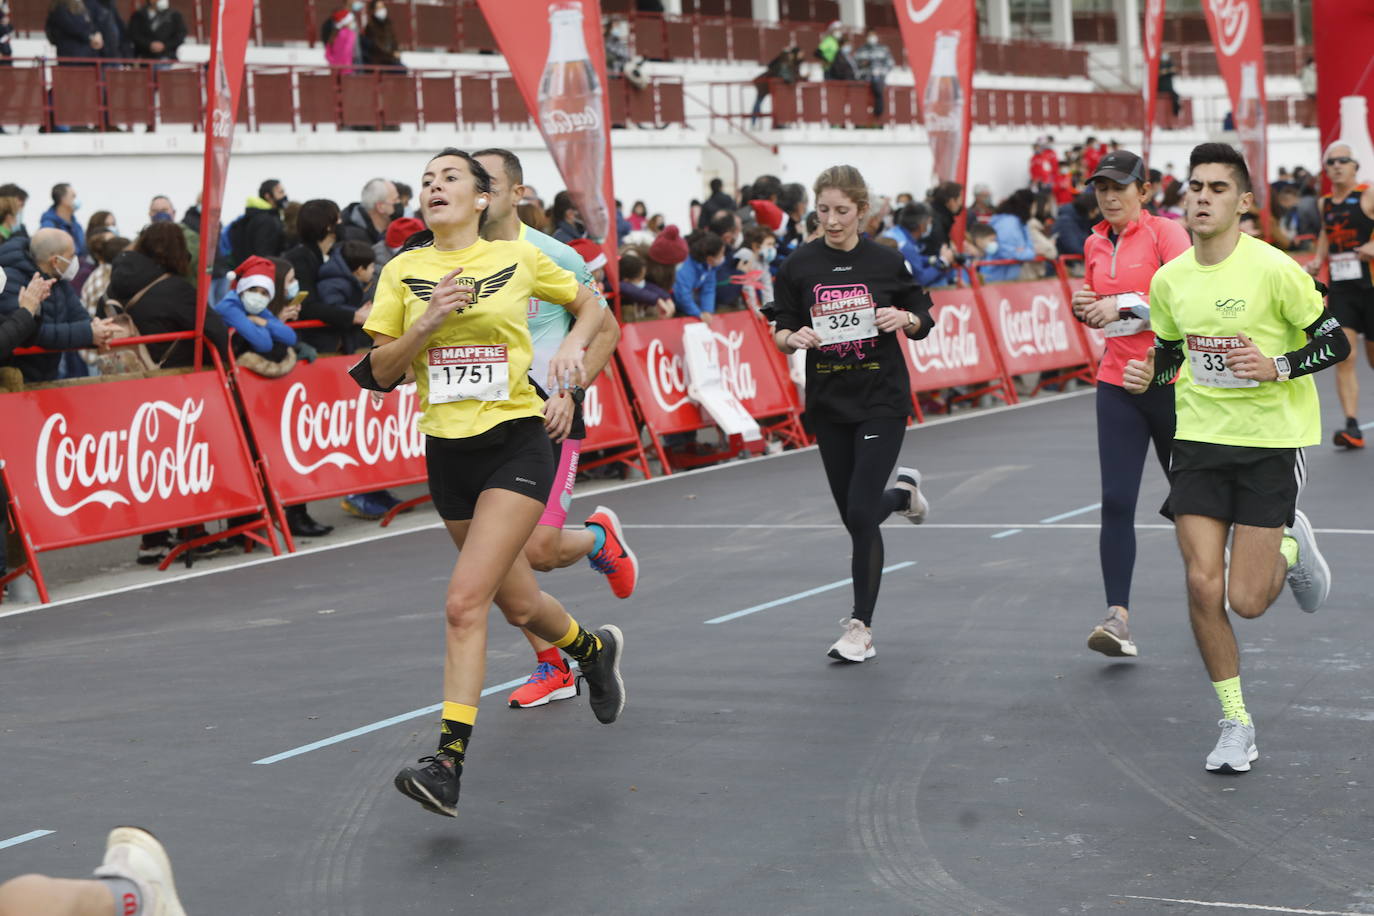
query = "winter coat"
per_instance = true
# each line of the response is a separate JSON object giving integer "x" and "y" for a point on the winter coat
{"x": 51, "y": 220}
{"x": 258, "y": 338}
{"x": 71, "y": 32}
{"x": 16, "y": 329}
{"x": 106, "y": 18}
{"x": 338, "y": 296}
{"x": 694, "y": 288}
{"x": 354, "y": 225}
{"x": 149, "y": 24}
{"x": 341, "y": 49}
{"x": 164, "y": 309}
{"x": 380, "y": 47}
{"x": 62, "y": 322}
{"x": 1013, "y": 241}
{"x": 1071, "y": 230}
{"x": 258, "y": 232}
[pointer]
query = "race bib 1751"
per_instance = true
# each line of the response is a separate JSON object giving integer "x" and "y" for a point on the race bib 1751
{"x": 470, "y": 373}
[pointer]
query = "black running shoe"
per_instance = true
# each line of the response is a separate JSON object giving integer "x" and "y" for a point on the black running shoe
{"x": 435, "y": 786}
{"x": 606, "y": 690}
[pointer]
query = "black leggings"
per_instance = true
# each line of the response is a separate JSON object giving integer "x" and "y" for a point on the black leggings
{"x": 1125, "y": 425}
{"x": 858, "y": 459}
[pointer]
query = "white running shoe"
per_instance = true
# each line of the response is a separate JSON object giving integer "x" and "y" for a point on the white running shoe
{"x": 1310, "y": 578}
{"x": 135, "y": 854}
{"x": 1235, "y": 748}
{"x": 856, "y": 645}
{"x": 909, "y": 479}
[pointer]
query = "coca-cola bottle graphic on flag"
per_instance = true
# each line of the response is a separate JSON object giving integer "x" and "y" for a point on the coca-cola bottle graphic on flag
{"x": 570, "y": 116}
{"x": 1355, "y": 134}
{"x": 944, "y": 107}
{"x": 1250, "y": 125}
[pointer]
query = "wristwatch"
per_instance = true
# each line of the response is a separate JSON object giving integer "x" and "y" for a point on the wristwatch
{"x": 910, "y": 321}
{"x": 578, "y": 394}
{"x": 1282, "y": 368}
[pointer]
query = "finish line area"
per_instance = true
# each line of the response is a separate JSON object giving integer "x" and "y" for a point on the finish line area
{"x": 984, "y": 762}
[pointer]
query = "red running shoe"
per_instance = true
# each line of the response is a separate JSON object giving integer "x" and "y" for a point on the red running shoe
{"x": 1349, "y": 438}
{"x": 548, "y": 683}
{"x": 614, "y": 560}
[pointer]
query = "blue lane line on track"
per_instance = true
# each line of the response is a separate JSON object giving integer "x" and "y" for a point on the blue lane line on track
{"x": 24, "y": 838}
{"x": 1063, "y": 515}
{"x": 376, "y": 726}
{"x": 799, "y": 595}
{"x": 1006, "y": 534}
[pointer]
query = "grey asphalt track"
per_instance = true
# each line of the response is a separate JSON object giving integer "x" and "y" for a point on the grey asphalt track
{"x": 984, "y": 762}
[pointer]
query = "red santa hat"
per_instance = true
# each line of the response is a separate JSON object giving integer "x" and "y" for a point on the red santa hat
{"x": 343, "y": 19}
{"x": 256, "y": 272}
{"x": 591, "y": 252}
{"x": 767, "y": 214}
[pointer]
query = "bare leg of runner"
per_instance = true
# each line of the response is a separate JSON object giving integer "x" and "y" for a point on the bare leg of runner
{"x": 28, "y": 895}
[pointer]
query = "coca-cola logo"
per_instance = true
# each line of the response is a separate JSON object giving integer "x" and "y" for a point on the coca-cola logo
{"x": 919, "y": 12}
{"x": 1038, "y": 329}
{"x": 668, "y": 379}
{"x": 347, "y": 432}
{"x": 592, "y": 408}
{"x": 128, "y": 465}
{"x": 558, "y": 121}
{"x": 951, "y": 343}
{"x": 1232, "y": 19}
{"x": 738, "y": 374}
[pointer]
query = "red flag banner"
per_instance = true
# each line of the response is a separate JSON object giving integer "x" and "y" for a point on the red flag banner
{"x": 556, "y": 55}
{"x": 1345, "y": 82}
{"x": 1149, "y": 86}
{"x": 940, "y": 37}
{"x": 1239, "y": 40}
{"x": 228, "y": 44}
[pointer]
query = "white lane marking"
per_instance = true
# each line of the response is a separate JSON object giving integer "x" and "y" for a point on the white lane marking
{"x": 1006, "y": 534}
{"x": 799, "y": 595}
{"x": 905, "y": 526}
{"x": 1063, "y": 515}
{"x": 169, "y": 577}
{"x": 376, "y": 726}
{"x": 24, "y": 838}
{"x": 1242, "y": 906}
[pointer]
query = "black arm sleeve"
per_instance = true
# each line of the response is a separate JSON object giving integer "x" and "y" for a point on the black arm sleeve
{"x": 1327, "y": 347}
{"x": 1168, "y": 360}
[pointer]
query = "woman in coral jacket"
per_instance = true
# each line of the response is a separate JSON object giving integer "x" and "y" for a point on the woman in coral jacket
{"x": 1121, "y": 257}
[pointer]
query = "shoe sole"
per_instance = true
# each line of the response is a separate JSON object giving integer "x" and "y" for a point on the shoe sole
{"x": 1341, "y": 440}
{"x": 1302, "y": 523}
{"x": 416, "y": 792}
{"x": 838, "y": 656}
{"x": 619, "y": 641}
{"x": 916, "y": 517}
{"x": 1107, "y": 644}
{"x": 620, "y": 539}
{"x": 1226, "y": 768}
{"x": 562, "y": 693}
{"x": 357, "y": 513}
{"x": 151, "y": 846}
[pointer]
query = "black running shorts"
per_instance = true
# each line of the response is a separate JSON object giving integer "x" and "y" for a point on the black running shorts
{"x": 1353, "y": 307}
{"x": 511, "y": 456}
{"x": 1238, "y": 484}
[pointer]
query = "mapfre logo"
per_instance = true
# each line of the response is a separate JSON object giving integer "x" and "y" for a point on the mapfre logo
{"x": 1038, "y": 329}
{"x": 156, "y": 456}
{"x": 951, "y": 344}
{"x": 919, "y": 12}
{"x": 1233, "y": 19}
{"x": 348, "y": 432}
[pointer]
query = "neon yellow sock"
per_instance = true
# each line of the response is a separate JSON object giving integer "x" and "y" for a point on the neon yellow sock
{"x": 460, "y": 712}
{"x": 1289, "y": 548}
{"x": 1232, "y": 702}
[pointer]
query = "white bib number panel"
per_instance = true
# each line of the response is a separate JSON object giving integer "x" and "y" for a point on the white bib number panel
{"x": 845, "y": 320}
{"x": 471, "y": 373}
{"x": 1207, "y": 362}
{"x": 1345, "y": 266}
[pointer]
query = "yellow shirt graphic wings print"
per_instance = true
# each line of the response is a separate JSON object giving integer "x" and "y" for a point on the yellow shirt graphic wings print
{"x": 476, "y": 365}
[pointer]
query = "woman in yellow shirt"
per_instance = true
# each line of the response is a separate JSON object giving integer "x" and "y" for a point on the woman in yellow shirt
{"x": 452, "y": 313}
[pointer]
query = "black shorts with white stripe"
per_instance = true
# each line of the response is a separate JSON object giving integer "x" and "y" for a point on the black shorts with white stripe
{"x": 1239, "y": 484}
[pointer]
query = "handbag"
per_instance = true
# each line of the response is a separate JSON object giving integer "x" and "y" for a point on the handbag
{"x": 123, "y": 360}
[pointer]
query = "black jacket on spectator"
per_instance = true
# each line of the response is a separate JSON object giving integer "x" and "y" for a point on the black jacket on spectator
{"x": 338, "y": 296}
{"x": 941, "y": 225}
{"x": 307, "y": 259}
{"x": 111, "y": 26}
{"x": 149, "y": 24}
{"x": 259, "y": 231}
{"x": 168, "y": 307}
{"x": 63, "y": 321}
{"x": 354, "y": 224}
{"x": 16, "y": 330}
{"x": 70, "y": 32}
{"x": 714, "y": 204}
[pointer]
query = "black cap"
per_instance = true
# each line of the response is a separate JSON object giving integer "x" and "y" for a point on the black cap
{"x": 1121, "y": 167}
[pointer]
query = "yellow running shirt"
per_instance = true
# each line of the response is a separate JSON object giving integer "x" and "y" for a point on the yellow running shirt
{"x": 1258, "y": 291}
{"x": 473, "y": 372}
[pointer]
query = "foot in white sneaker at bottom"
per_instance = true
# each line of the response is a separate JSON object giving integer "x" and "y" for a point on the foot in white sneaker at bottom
{"x": 135, "y": 879}
{"x": 856, "y": 644}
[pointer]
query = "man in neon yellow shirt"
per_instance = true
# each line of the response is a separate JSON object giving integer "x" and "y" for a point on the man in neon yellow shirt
{"x": 1242, "y": 328}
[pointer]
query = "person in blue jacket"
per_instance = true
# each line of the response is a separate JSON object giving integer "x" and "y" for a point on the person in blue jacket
{"x": 694, "y": 286}
{"x": 62, "y": 215}
{"x": 244, "y": 308}
{"x": 912, "y": 234}
{"x": 1013, "y": 238}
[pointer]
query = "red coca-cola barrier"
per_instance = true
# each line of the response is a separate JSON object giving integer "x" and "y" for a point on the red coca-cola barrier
{"x": 1035, "y": 329}
{"x": 92, "y": 462}
{"x": 651, "y": 352}
{"x": 960, "y": 351}
{"x": 611, "y": 425}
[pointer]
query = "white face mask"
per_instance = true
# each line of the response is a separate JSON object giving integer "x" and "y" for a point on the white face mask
{"x": 254, "y": 301}
{"x": 293, "y": 289}
{"x": 767, "y": 253}
{"x": 69, "y": 272}
{"x": 163, "y": 5}
{"x": 380, "y": 14}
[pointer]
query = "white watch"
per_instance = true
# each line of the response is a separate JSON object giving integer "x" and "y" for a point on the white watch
{"x": 1282, "y": 369}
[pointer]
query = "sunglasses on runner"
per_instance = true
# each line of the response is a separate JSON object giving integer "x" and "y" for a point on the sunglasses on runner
{"x": 1339, "y": 160}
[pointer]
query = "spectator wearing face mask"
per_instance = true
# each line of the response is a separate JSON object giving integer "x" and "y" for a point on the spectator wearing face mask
{"x": 244, "y": 308}
{"x": 341, "y": 49}
{"x": 912, "y": 227}
{"x": 160, "y": 210}
{"x": 1013, "y": 237}
{"x": 694, "y": 286}
{"x": 259, "y": 231}
{"x": 157, "y": 31}
{"x": 367, "y": 219}
{"x": 379, "y": 43}
{"x": 980, "y": 244}
{"x": 617, "y": 41}
{"x": 62, "y": 215}
{"x": 755, "y": 262}
{"x": 874, "y": 62}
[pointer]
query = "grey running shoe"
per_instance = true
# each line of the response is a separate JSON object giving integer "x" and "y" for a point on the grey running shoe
{"x": 1112, "y": 637}
{"x": 606, "y": 690}
{"x": 1310, "y": 577}
{"x": 856, "y": 645}
{"x": 435, "y": 786}
{"x": 909, "y": 479}
{"x": 1235, "y": 748}
{"x": 135, "y": 854}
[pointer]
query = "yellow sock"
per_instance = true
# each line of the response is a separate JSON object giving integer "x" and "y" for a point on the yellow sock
{"x": 578, "y": 643}
{"x": 1289, "y": 548}
{"x": 460, "y": 712}
{"x": 1232, "y": 702}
